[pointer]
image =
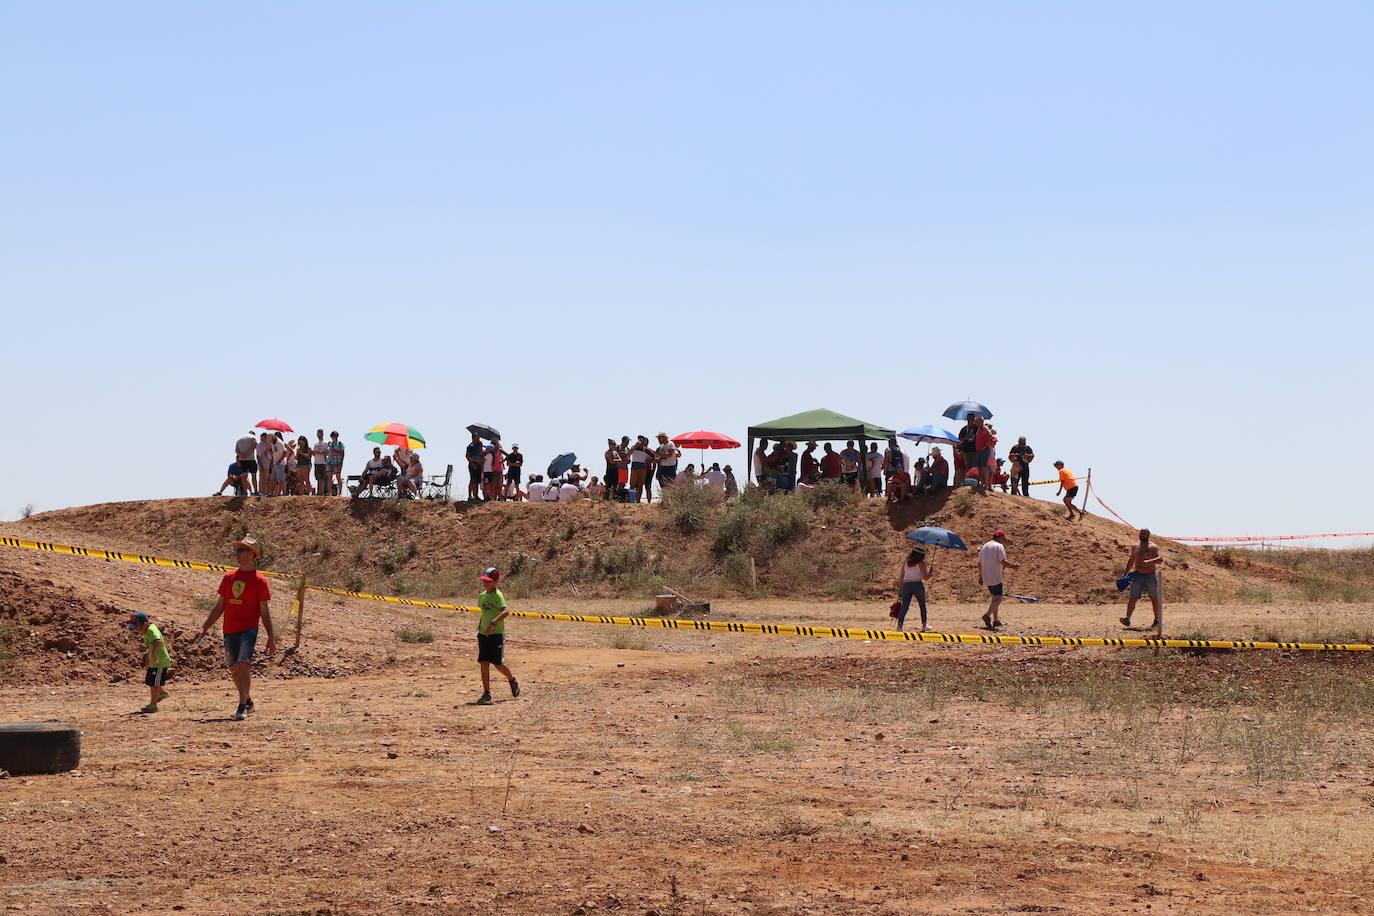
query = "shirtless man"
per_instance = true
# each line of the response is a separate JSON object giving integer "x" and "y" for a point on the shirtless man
{"x": 1144, "y": 560}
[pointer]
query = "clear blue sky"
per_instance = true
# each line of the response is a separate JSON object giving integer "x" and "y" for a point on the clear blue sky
{"x": 1142, "y": 233}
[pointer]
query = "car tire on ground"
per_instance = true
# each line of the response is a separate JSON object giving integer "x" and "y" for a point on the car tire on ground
{"x": 39, "y": 747}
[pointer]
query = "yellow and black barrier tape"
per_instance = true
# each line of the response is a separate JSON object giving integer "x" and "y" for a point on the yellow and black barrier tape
{"x": 723, "y": 626}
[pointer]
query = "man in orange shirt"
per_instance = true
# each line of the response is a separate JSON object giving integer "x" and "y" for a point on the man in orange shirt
{"x": 243, "y": 600}
{"x": 1068, "y": 485}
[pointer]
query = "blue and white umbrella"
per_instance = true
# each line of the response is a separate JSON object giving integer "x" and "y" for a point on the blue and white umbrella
{"x": 937, "y": 537}
{"x": 929, "y": 433}
{"x": 964, "y": 409}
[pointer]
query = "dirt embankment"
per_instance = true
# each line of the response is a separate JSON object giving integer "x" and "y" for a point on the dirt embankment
{"x": 63, "y": 617}
{"x": 595, "y": 549}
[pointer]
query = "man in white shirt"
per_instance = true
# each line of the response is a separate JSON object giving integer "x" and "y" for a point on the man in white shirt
{"x": 992, "y": 559}
{"x": 319, "y": 453}
{"x": 873, "y": 485}
{"x": 536, "y": 489}
{"x": 568, "y": 491}
{"x": 668, "y": 454}
{"x": 715, "y": 479}
{"x": 278, "y": 464}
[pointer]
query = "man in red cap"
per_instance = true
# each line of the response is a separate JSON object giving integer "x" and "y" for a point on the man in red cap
{"x": 491, "y": 635}
{"x": 992, "y": 559}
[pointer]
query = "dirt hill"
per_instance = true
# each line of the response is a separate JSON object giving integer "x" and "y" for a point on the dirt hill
{"x": 594, "y": 549}
{"x": 62, "y": 617}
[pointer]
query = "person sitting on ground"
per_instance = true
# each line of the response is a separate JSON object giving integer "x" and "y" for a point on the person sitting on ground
{"x": 689, "y": 473}
{"x": 731, "y": 485}
{"x": 597, "y": 490}
{"x": 939, "y": 470}
{"x": 899, "y": 486}
{"x": 237, "y": 478}
{"x": 569, "y": 490}
{"x": 412, "y": 479}
{"x": 715, "y": 479}
{"x": 534, "y": 491}
{"x": 1000, "y": 477}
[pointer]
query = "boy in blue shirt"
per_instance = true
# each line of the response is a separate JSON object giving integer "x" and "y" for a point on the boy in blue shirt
{"x": 491, "y": 635}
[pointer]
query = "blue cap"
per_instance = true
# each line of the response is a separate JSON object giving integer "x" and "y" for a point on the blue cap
{"x": 137, "y": 620}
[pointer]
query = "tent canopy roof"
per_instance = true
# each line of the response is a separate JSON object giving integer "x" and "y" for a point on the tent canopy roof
{"x": 819, "y": 424}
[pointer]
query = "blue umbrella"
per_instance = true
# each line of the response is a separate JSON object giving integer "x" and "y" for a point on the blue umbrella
{"x": 937, "y": 537}
{"x": 928, "y": 434}
{"x": 562, "y": 464}
{"x": 963, "y": 409}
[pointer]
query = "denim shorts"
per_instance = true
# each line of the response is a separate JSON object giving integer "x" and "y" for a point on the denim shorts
{"x": 238, "y": 647}
{"x": 1147, "y": 583}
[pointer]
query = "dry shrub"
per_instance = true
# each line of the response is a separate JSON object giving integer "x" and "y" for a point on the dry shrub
{"x": 688, "y": 505}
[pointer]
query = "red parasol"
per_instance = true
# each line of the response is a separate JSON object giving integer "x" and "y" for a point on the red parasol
{"x": 280, "y": 426}
{"x": 703, "y": 439}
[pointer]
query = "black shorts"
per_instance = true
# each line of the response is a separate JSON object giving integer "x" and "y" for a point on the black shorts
{"x": 488, "y": 476}
{"x": 474, "y": 474}
{"x": 668, "y": 474}
{"x": 850, "y": 478}
{"x": 156, "y": 677}
{"x": 491, "y": 648}
{"x": 1073, "y": 491}
{"x": 995, "y": 590}
{"x": 321, "y": 472}
{"x": 513, "y": 474}
{"x": 248, "y": 465}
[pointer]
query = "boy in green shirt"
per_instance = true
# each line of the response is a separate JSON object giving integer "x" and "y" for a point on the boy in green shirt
{"x": 158, "y": 659}
{"x": 491, "y": 635}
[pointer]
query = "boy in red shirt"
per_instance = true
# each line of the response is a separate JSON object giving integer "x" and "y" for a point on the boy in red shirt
{"x": 243, "y": 600}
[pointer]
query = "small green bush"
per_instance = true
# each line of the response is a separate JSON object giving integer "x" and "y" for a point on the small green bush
{"x": 689, "y": 506}
{"x": 410, "y": 634}
{"x": 829, "y": 494}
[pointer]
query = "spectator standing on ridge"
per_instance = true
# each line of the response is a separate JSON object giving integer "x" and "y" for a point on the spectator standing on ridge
{"x": 475, "y": 454}
{"x": 245, "y": 455}
{"x": 810, "y": 466}
{"x": 1144, "y": 561}
{"x": 894, "y": 459}
{"x": 850, "y": 462}
{"x": 967, "y": 455}
{"x": 263, "y": 454}
{"x": 760, "y": 460}
{"x": 830, "y": 464}
{"x": 639, "y": 464}
{"x": 873, "y": 476}
{"x": 787, "y": 468}
{"x": 992, "y": 559}
{"x": 668, "y": 454}
{"x": 303, "y": 466}
{"x": 1021, "y": 457}
{"x": 319, "y": 454}
{"x": 243, "y": 602}
{"x": 515, "y": 462}
{"x": 495, "y": 485}
{"x": 278, "y": 464}
{"x": 336, "y": 462}
{"x": 1068, "y": 485}
{"x": 985, "y": 440}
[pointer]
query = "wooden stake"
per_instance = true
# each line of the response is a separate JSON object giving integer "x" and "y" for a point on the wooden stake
{"x": 1088, "y": 488}
{"x": 300, "y": 609}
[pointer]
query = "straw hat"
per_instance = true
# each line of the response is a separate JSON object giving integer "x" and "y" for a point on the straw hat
{"x": 252, "y": 545}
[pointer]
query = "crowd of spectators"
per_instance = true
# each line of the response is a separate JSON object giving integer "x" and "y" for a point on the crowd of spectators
{"x": 269, "y": 464}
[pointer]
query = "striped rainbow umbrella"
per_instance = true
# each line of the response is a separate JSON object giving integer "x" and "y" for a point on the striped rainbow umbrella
{"x": 395, "y": 434}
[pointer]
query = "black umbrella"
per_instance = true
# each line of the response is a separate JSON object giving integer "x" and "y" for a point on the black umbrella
{"x": 485, "y": 430}
{"x": 562, "y": 464}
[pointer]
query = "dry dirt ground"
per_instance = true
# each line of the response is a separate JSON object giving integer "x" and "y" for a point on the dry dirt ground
{"x": 691, "y": 773}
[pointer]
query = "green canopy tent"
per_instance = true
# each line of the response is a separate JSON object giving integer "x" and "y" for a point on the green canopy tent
{"x": 818, "y": 424}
